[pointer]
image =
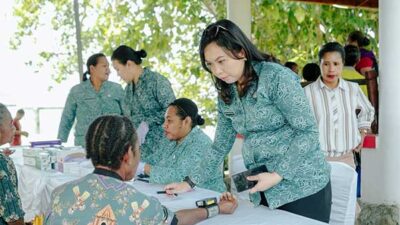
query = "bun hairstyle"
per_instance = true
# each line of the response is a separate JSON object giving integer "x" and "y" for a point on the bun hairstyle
{"x": 186, "y": 107}
{"x": 359, "y": 37}
{"x": 92, "y": 61}
{"x": 124, "y": 53}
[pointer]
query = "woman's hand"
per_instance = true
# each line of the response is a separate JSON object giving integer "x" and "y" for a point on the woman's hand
{"x": 147, "y": 169}
{"x": 264, "y": 181}
{"x": 177, "y": 188}
{"x": 227, "y": 203}
{"x": 363, "y": 133}
{"x": 358, "y": 148}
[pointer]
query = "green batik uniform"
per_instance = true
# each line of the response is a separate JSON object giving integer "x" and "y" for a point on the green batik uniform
{"x": 185, "y": 159}
{"x": 148, "y": 101}
{"x": 85, "y": 104}
{"x": 279, "y": 131}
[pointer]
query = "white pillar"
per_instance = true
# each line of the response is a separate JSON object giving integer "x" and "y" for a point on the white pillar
{"x": 381, "y": 167}
{"x": 239, "y": 11}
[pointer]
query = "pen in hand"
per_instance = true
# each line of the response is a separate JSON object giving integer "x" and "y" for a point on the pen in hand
{"x": 164, "y": 192}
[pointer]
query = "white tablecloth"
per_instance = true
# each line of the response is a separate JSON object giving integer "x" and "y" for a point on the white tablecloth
{"x": 246, "y": 213}
{"x": 35, "y": 188}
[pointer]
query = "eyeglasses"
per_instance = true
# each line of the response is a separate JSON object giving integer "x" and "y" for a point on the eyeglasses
{"x": 215, "y": 30}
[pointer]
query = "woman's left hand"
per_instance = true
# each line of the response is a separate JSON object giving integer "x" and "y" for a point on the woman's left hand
{"x": 177, "y": 188}
{"x": 264, "y": 181}
{"x": 147, "y": 169}
{"x": 359, "y": 147}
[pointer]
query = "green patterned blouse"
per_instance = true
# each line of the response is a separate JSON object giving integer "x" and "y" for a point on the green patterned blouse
{"x": 148, "y": 101}
{"x": 279, "y": 131}
{"x": 85, "y": 104}
{"x": 177, "y": 161}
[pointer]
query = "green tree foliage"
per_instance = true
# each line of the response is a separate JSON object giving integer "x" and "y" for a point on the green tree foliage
{"x": 294, "y": 31}
{"x": 169, "y": 30}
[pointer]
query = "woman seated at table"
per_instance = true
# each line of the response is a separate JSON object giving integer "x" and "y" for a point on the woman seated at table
{"x": 104, "y": 198}
{"x": 10, "y": 204}
{"x": 184, "y": 149}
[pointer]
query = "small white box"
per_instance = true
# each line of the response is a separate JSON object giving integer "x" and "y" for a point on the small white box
{"x": 70, "y": 155}
{"x": 29, "y": 161}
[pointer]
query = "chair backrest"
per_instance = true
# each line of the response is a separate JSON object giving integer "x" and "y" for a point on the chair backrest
{"x": 344, "y": 191}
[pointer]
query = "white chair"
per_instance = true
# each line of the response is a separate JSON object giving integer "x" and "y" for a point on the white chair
{"x": 344, "y": 188}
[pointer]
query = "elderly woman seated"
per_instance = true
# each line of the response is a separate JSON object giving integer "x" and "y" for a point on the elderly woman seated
{"x": 10, "y": 204}
{"x": 184, "y": 151}
{"x": 104, "y": 198}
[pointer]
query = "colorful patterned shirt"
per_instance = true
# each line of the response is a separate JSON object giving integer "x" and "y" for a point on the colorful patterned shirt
{"x": 148, "y": 101}
{"x": 98, "y": 199}
{"x": 85, "y": 104}
{"x": 185, "y": 159}
{"x": 279, "y": 131}
{"x": 10, "y": 203}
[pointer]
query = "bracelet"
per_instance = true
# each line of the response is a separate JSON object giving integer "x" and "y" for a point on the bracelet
{"x": 190, "y": 182}
{"x": 212, "y": 210}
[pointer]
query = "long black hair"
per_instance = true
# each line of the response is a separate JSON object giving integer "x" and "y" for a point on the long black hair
{"x": 92, "y": 61}
{"x": 230, "y": 37}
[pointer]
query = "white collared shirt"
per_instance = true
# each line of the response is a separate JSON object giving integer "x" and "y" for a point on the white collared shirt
{"x": 336, "y": 142}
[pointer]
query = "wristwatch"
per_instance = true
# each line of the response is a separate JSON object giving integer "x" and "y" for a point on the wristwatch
{"x": 212, "y": 210}
{"x": 190, "y": 182}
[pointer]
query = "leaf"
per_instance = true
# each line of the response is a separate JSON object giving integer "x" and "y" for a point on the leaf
{"x": 300, "y": 15}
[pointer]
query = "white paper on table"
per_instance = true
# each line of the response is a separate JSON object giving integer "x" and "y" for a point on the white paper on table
{"x": 142, "y": 131}
{"x": 185, "y": 200}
